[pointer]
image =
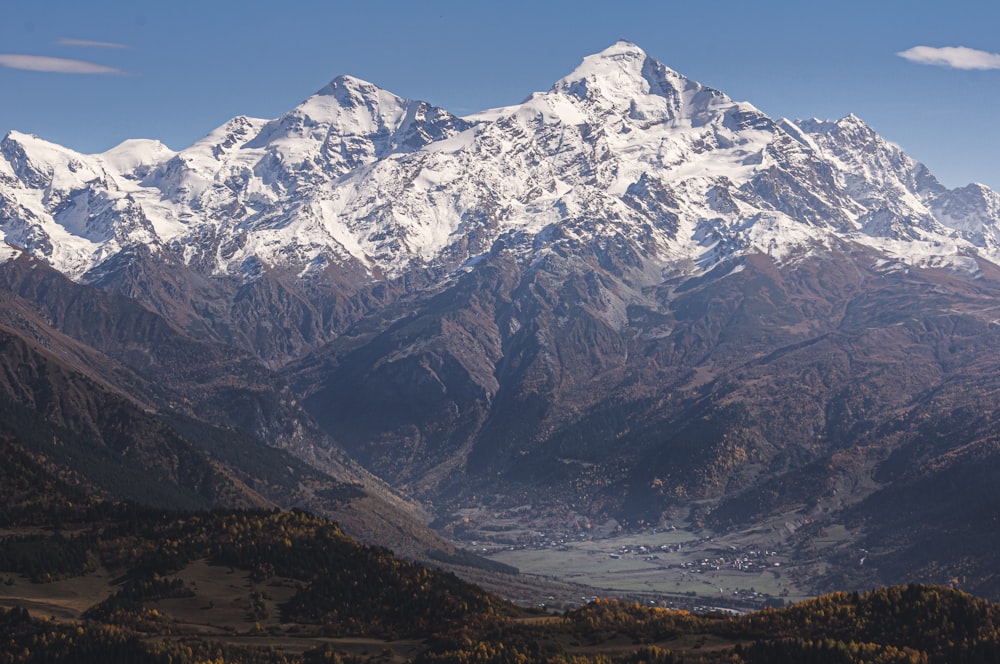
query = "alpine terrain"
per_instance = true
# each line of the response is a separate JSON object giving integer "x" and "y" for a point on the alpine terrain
{"x": 626, "y": 298}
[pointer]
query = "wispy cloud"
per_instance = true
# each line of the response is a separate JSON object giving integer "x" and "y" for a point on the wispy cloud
{"x": 956, "y": 57}
{"x": 87, "y": 43}
{"x": 54, "y": 65}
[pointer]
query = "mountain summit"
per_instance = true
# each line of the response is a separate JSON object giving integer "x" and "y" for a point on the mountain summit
{"x": 622, "y": 76}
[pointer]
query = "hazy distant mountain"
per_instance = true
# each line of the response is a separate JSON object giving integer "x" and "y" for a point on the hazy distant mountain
{"x": 620, "y": 295}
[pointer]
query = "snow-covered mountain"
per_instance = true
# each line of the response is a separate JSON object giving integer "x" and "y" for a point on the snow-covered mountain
{"x": 623, "y": 294}
{"x": 355, "y": 176}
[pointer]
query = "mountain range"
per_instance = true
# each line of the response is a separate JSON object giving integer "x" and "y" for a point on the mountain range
{"x": 628, "y": 297}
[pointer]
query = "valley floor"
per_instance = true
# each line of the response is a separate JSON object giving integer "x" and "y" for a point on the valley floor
{"x": 769, "y": 564}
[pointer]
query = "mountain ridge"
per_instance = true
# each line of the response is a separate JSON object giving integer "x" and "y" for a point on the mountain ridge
{"x": 239, "y": 174}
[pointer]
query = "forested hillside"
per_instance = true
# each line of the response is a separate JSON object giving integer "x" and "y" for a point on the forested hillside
{"x": 88, "y": 580}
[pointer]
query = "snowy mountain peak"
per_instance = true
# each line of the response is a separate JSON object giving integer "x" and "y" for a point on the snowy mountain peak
{"x": 623, "y": 79}
{"x": 42, "y": 164}
{"x": 351, "y": 122}
{"x": 37, "y": 148}
{"x": 344, "y": 86}
{"x": 622, "y": 56}
{"x": 136, "y": 153}
{"x": 622, "y": 52}
{"x": 19, "y": 137}
{"x": 848, "y": 123}
{"x": 620, "y": 70}
{"x": 349, "y": 102}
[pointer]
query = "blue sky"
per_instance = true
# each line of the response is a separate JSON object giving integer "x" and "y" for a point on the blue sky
{"x": 176, "y": 70}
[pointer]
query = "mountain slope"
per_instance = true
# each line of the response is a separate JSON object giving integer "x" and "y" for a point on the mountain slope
{"x": 104, "y": 438}
{"x": 129, "y": 406}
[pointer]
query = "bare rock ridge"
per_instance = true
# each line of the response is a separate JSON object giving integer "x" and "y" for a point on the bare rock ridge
{"x": 624, "y": 294}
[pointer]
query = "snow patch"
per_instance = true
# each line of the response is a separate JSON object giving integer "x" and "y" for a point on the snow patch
{"x": 8, "y": 252}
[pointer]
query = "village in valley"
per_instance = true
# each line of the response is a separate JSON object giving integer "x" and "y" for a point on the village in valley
{"x": 672, "y": 565}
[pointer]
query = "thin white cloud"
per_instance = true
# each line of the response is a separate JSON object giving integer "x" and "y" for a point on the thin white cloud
{"x": 956, "y": 57}
{"x": 54, "y": 65}
{"x": 87, "y": 43}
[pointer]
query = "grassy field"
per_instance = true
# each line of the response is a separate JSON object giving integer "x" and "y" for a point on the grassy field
{"x": 61, "y": 600}
{"x": 219, "y": 610}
